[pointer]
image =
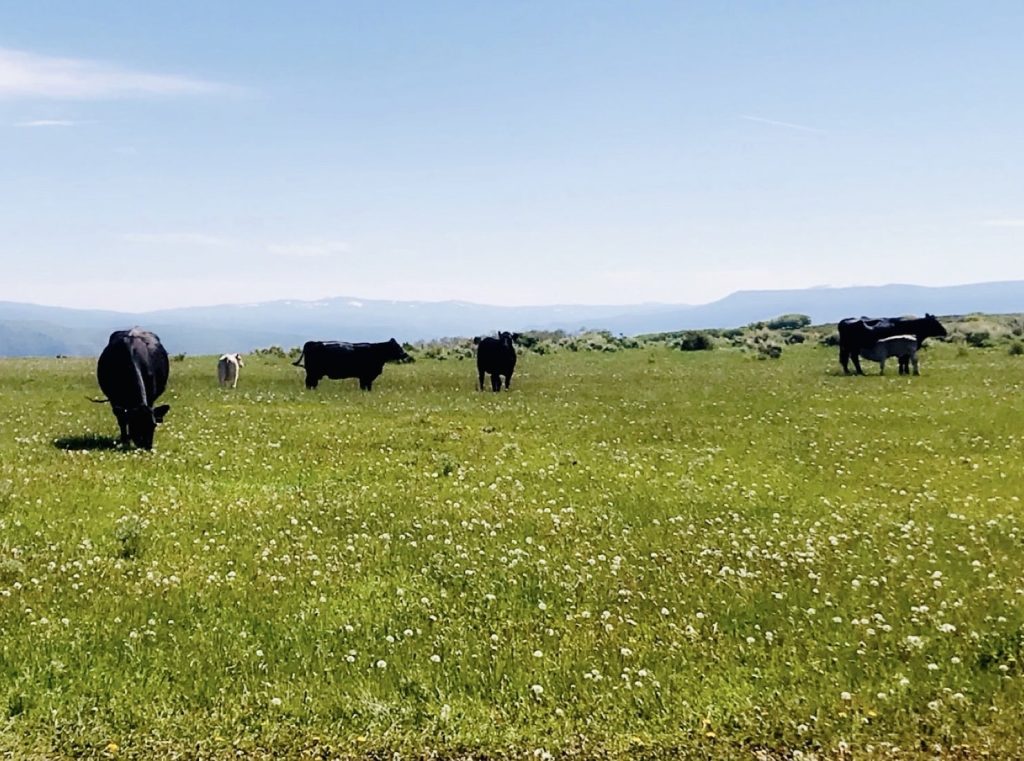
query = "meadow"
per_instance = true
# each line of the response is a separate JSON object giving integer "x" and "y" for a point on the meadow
{"x": 638, "y": 554}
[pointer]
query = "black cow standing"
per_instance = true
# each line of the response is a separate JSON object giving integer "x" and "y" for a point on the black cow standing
{"x": 496, "y": 356}
{"x": 132, "y": 371}
{"x": 338, "y": 359}
{"x": 856, "y": 333}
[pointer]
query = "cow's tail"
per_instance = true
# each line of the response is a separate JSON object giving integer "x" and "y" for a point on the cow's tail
{"x": 298, "y": 362}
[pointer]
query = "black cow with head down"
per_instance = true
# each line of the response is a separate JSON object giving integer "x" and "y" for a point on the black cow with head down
{"x": 496, "y": 357}
{"x": 132, "y": 372}
{"x": 338, "y": 359}
{"x": 858, "y": 333}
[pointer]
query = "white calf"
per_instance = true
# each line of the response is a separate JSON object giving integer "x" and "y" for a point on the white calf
{"x": 903, "y": 348}
{"x": 227, "y": 369}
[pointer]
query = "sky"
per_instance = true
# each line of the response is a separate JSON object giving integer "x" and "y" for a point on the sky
{"x": 172, "y": 154}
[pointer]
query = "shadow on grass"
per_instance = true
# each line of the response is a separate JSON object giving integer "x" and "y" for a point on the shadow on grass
{"x": 86, "y": 442}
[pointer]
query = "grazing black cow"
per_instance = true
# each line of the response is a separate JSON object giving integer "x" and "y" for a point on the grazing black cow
{"x": 856, "y": 334}
{"x": 132, "y": 371}
{"x": 496, "y": 356}
{"x": 337, "y": 359}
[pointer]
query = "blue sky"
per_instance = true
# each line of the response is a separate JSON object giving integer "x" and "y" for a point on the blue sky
{"x": 184, "y": 153}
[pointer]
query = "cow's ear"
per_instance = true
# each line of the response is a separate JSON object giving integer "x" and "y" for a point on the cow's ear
{"x": 476, "y": 340}
{"x": 515, "y": 337}
{"x": 159, "y": 412}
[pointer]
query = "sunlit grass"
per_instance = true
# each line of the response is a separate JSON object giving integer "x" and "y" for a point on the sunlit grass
{"x": 642, "y": 553}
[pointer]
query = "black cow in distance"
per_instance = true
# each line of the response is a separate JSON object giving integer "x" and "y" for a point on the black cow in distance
{"x": 132, "y": 372}
{"x": 338, "y": 359}
{"x": 857, "y": 333}
{"x": 496, "y": 357}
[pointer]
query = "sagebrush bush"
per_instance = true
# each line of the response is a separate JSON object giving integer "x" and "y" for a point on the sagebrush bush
{"x": 695, "y": 340}
{"x": 979, "y": 339}
{"x": 788, "y": 322}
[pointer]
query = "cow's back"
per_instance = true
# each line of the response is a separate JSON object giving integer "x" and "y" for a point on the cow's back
{"x": 860, "y": 331}
{"x": 227, "y": 368}
{"x": 133, "y": 368}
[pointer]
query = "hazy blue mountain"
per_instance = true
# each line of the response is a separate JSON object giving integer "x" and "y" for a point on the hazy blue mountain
{"x": 29, "y": 329}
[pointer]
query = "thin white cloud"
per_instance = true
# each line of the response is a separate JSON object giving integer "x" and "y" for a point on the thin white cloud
{"x": 312, "y": 249}
{"x": 29, "y": 75}
{"x": 1003, "y": 222}
{"x": 302, "y": 249}
{"x": 48, "y": 123}
{"x": 192, "y": 240}
{"x": 786, "y": 125}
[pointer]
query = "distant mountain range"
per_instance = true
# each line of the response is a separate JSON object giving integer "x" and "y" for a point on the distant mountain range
{"x": 33, "y": 330}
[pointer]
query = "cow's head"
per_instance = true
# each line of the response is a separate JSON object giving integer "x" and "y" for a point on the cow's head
{"x": 142, "y": 423}
{"x": 238, "y": 359}
{"x": 932, "y": 327}
{"x": 395, "y": 352}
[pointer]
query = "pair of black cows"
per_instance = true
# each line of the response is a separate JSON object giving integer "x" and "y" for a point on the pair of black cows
{"x": 133, "y": 369}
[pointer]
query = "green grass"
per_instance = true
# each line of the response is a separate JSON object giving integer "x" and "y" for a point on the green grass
{"x": 641, "y": 554}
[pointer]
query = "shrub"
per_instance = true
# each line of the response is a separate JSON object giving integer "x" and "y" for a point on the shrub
{"x": 796, "y": 338}
{"x": 765, "y": 345}
{"x": 276, "y": 351}
{"x": 979, "y": 339}
{"x": 1016, "y": 349}
{"x": 695, "y": 340}
{"x": 789, "y": 322}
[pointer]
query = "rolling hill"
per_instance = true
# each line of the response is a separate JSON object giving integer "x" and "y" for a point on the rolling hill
{"x": 34, "y": 330}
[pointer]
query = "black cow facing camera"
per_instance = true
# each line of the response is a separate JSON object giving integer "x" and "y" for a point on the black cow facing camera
{"x": 132, "y": 372}
{"x": 496, "y": 357}
{"x": 338, "y": 359}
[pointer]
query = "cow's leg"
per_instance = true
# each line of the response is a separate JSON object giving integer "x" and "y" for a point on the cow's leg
{"x": 122, "y": 421}
{"x": 495, "y": 382}
{"x": 856, "y": 362}
{"x": 508, "y": 381}
{"x": 366, "y": 384}
{"x": 480, "y": 383}
{"x": 913, "y": 361}
{"x": 311, "y": 381}
{"x": 844, "y": 359}
{"x": 882, "y": 366}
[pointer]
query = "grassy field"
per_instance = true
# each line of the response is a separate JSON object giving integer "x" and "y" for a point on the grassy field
{"x": 638, "y": 554}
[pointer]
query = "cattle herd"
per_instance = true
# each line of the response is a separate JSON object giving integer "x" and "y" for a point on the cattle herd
{"x": 133, "y": 367}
